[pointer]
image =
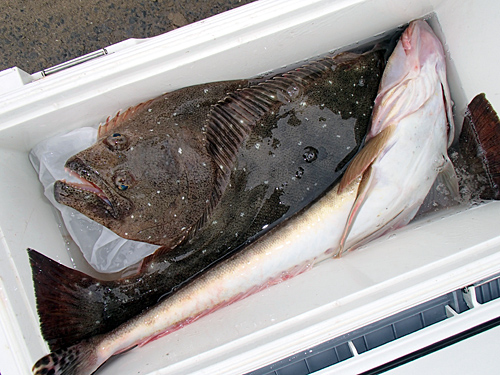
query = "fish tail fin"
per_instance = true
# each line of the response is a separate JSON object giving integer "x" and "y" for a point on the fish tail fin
{"x": 79, "y": 359}
{"x": 479, "y": 145}
{"x": 64, "y": 295}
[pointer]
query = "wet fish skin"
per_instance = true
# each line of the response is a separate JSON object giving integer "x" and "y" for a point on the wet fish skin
{"x": 394, "y": 160}
{"x": 158, "y": 164}
{"x": 412, "y": 127}
{"x": 283, "y": 252}
{"x": 152, "y": 165}
{"x": 263, "y": 188}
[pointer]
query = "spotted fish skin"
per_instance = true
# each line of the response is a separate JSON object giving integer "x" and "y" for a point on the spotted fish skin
{"x": 283, "y": 252}
{"x": 381, "y": 189}
{"x": 67, "y": 361}
{"x": 151, "y": 176}
{"x": 312, "y": 120}
{"x": 158, "y": 170}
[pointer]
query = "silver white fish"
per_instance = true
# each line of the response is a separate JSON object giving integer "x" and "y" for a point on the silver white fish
{"x": 406, "y": 146}
{"x": 383, "y": 188}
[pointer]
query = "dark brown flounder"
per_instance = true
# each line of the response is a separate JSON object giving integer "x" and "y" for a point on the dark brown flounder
{"x": 157, "y": 171}
{"x": 259, "y": 153}
{"x": 152, "y": 177}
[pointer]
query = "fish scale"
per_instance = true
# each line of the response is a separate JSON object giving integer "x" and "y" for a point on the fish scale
{"x": 382, "y": 189}
{"x": 285, "y": 249}
{"x": 257, "y": 189}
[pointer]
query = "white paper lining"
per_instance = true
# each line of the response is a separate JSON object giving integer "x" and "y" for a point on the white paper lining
{"x": 103, "y": 249}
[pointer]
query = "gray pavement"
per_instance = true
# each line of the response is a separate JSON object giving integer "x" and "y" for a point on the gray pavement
{"x": 38, "y": 34}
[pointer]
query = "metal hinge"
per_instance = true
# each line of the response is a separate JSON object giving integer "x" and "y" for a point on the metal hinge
{"x": 89, "y": 56}
{"x": 71, "y": 63}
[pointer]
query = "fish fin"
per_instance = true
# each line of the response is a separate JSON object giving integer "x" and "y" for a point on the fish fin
{"x": 361, "y": 166}
{"x": 399, "y": 221}
{"x": 479, "y": 143}
{"x": 232, "y": 119}
{"x": 62, "y": 295}
{"x": 448, "y": 105}
{"x": 358, "y": 203}
{"x": 439, "y": 197}
{"x": 160, "y": 254}
{"x": 363, "y": 189}
{"x": 370, "y": 151}
{"x": 448, "y": 178}
{"x": 78, "y": 359}
{"x": 111, "y": 124}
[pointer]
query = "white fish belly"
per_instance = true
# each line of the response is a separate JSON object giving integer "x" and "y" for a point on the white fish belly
{"x": 404, "y": 175}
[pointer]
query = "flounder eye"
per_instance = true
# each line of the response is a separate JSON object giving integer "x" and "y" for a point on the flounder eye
{"x": 123, "y": 180}
{"x": 116, "y": 141}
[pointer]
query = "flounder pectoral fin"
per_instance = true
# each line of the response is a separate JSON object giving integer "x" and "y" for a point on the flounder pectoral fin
{"x": 232, "y": 119}
{"x": 229, "y": 123}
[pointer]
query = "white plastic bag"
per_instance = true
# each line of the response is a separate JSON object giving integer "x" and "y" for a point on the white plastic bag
{"x": 102, "y": 248}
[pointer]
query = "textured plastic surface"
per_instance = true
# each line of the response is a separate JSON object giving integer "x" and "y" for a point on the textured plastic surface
{"x": 429, "y": 258}
{"x": 465, "y": 357}
{"x": 369, "y": 337}
{"x": 488, "y": 291}
{"x": 13, "y": 78}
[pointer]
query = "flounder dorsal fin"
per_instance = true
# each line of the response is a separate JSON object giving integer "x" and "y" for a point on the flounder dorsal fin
{"x": 232, "y": 119}
{"x": 366, "y": 156}
{"x": 112, "y": 123}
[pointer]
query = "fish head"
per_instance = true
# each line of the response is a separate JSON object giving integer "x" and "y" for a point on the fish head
{"x": 416, "y": 67}
{"x": 149, "y": 184}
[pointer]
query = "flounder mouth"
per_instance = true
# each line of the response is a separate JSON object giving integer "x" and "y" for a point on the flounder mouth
{"x": 86, "y": 185}
{"x": 91, "y": 195}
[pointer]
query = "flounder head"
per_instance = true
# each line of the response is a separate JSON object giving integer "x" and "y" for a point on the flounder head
{"x": 147, "y": 178}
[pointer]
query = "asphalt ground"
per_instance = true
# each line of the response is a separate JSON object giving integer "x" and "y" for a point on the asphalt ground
{"x": 35, "y": 35}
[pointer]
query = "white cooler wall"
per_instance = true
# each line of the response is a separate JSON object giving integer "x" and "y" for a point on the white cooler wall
{"x": 244, "y": 42}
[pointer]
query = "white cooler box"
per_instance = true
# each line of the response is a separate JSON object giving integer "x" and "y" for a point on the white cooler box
{"x": 395, "y": 296}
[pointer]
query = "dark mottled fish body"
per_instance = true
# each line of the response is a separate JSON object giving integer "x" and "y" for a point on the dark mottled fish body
{"x": 151, "y": 169}
{"x": 381, "y": 189}
{"x": 302, "y": 123}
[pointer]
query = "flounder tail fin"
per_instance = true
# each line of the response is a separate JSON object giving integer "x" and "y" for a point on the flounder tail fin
{"x": 479, "y": 144}
{"x": 63, "y": 295}
{"x": 76, "y": 360}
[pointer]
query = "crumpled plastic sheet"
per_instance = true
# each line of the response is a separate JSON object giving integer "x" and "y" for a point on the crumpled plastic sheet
{"x": 103, "y": 249}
